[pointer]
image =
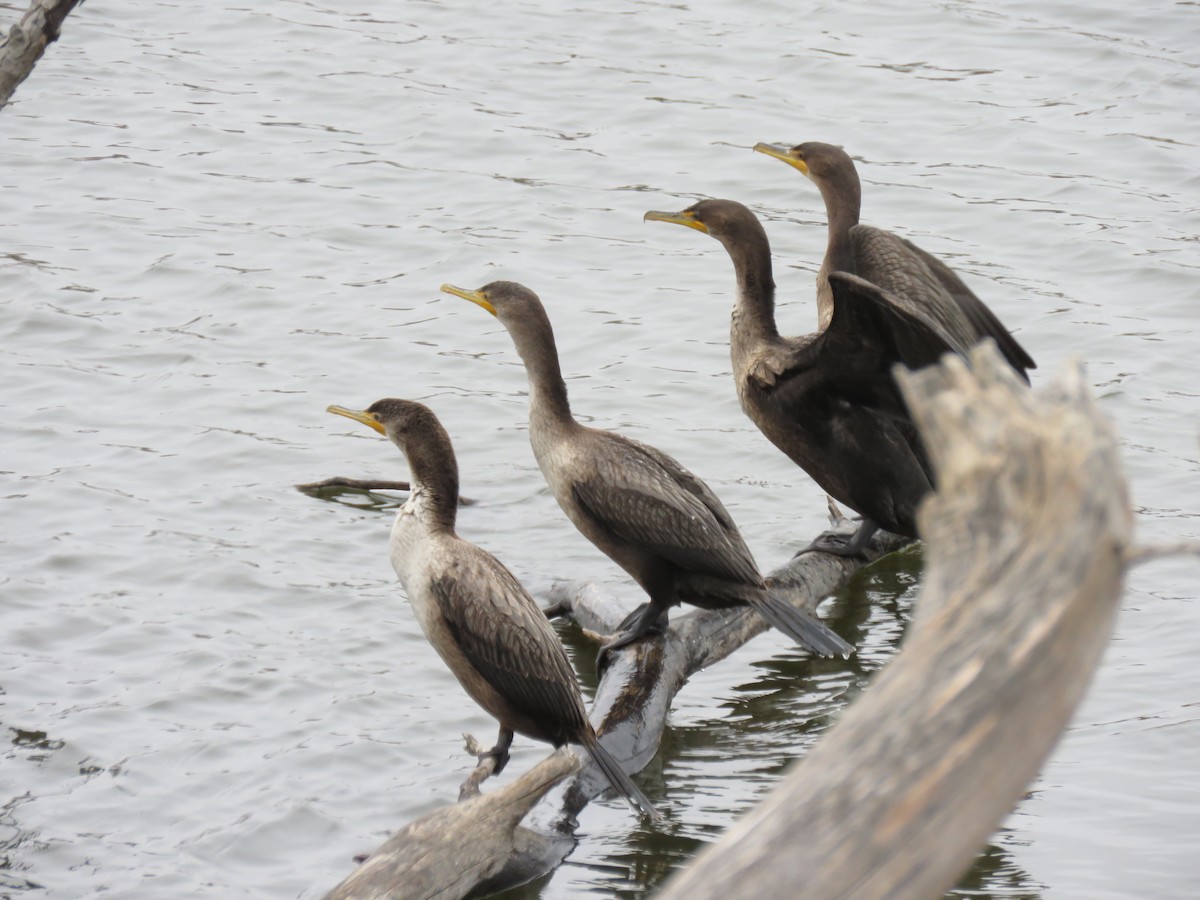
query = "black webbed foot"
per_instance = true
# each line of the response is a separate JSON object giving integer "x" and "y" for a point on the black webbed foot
{"x": 835, "y": 544}
{"x": 500, "y": 752}
{"x": 854, "y": 545}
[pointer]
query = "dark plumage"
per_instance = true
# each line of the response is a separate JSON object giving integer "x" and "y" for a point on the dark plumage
{"x": 915, "y": 278}
{"x": 474, "y": 612}
{"x": 649, "y": 514}
{"x": 828, "y": 399}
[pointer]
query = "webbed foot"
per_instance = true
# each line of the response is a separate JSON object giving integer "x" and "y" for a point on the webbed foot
{"x": 499, "y": 753}
{"x": 854, "y": 545}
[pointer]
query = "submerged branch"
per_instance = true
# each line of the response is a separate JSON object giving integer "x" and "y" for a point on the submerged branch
{"x": 339, "y": 484}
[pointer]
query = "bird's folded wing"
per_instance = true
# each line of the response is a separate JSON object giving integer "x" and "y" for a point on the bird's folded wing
{"x": 506, "y": 637}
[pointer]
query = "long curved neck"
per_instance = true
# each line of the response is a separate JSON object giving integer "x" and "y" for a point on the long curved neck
{"x": 434, "y": 482}
{"x": 842, "y": 194}
{"x": 754, "y": 308}
{"x": 548, "y": 403}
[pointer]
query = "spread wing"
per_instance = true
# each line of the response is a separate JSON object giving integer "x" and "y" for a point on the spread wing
{"x": 982, "y": 319}
{"x": 645, "y": 497}
{"x": 506, "y": 637}
{"x": 876, "y": 324}
{"x": 924, "y": 283}
{"x": 851, "y": 360}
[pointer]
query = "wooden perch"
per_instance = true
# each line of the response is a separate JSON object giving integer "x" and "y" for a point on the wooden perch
{"x": 451, "y": 851}
{"x": 27, "y": 41}
{"x": 630, "y": 711}
{"x": 1025, "y": 559}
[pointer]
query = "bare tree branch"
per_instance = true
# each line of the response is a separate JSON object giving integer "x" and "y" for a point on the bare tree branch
{"x": 27, "y": 41}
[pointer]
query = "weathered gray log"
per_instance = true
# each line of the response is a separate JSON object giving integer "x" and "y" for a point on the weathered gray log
{"x": 1025, "y": 550}
{"x": 630, "y": 710}
{"x": 26, "y": 41}
{"x": 453, "y": 850}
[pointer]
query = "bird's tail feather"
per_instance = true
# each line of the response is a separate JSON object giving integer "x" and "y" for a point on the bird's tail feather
{"x": 805, "y": 629}
{"x": 616, "y": 776}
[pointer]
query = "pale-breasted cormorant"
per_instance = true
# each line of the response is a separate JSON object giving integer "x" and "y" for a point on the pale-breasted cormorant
{"x": 475, "y": 613}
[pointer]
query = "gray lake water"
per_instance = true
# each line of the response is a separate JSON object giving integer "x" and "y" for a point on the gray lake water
{"x": 216, "y": 219}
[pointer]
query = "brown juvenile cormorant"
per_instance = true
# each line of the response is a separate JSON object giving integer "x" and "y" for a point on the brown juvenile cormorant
{"x": 828, "y": 400}
{"x": 898, "y": 266}
{"x": 475, "y": 613}
{"x": 649, "y": 514}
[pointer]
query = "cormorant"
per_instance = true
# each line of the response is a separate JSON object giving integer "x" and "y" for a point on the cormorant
{"x": 649, "y": 514}
{"x": 828, "y": 399}
{"x": 896, "y": 265}
{"x": 475, "y": 613}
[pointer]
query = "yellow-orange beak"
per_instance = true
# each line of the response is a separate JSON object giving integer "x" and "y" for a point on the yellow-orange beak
{"x": 357, "y": 415}
{"x": 783, "y": 153}
{"x": 476, "y": 297}
{"x": 687, "y": 217}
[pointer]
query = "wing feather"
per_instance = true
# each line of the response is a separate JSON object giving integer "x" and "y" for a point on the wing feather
{"x": 643, "y": 496}
{"x": 923, "y": 283}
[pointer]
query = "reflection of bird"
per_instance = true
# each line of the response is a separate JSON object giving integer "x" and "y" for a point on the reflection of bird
{"x": 915, "y": 277}
{"x": 653, "y": 517}
{"x": 478, "y": 617}
{"x": 828, "y": 399}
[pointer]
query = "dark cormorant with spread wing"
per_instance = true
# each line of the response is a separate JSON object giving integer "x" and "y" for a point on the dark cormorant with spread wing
{"x": 475, "y": 613}
{"x": 915, "y": 277}
{"x": 828, "y": 399}
{"x": 649, "y": 514}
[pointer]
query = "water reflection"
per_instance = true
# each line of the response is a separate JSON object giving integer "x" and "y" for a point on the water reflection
{"x": 995, "y": 876}
{"x": 714, "y": 768}
{"x": 18, "y": 845}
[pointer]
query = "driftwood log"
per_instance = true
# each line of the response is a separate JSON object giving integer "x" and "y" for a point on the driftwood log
{"x": 630, "y": 709}
{"x": 1026, "y": 550}
{"x": 26, "y": 41}
{"x": 478, "y": 835}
